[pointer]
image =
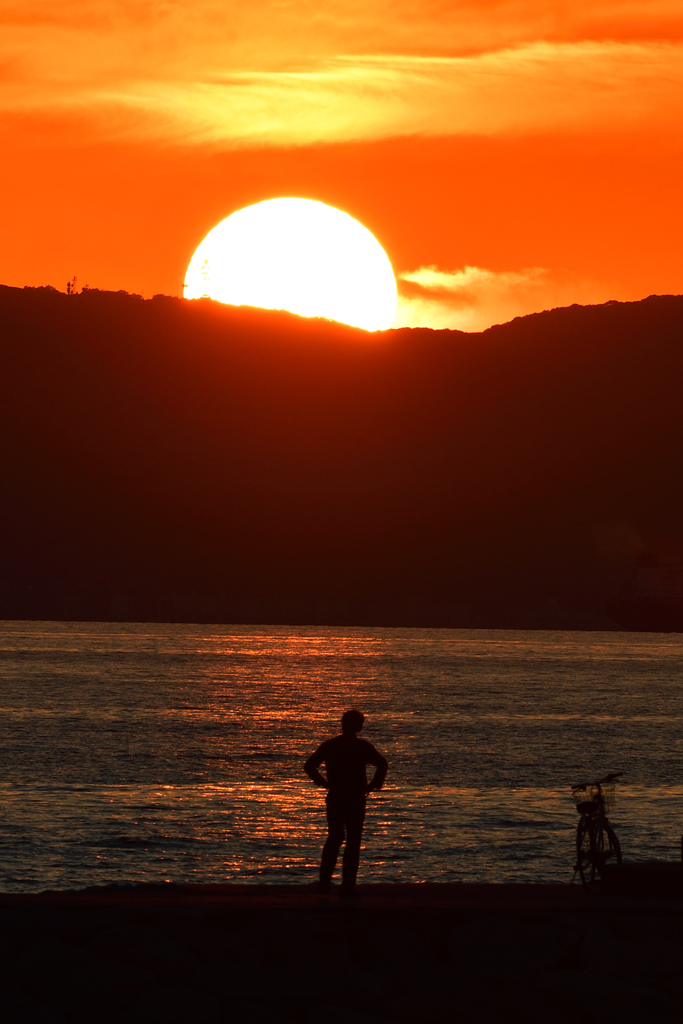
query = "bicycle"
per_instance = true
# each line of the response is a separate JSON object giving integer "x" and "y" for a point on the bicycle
{"x": 596, "y": 842}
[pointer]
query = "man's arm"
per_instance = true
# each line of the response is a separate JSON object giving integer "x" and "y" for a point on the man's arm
{"x": 381, "y": 768}
{"x": 312, "y": 765}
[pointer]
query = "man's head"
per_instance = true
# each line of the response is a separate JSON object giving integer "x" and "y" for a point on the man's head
{"x": 352, "y": 722}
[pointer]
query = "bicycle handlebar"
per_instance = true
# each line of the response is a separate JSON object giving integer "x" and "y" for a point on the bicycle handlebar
{"x": 600, "y": 782}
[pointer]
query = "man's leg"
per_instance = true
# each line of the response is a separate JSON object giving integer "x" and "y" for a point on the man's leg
{"x": 354, "y": 816}
{"x": 335, "y": 837}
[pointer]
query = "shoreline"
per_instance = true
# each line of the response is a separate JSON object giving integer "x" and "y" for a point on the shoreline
{"x": 483, "y": 897}
{"x": 421, "y": 899}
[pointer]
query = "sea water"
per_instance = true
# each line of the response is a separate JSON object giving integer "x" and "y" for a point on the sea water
{"x": 136, "y": 753}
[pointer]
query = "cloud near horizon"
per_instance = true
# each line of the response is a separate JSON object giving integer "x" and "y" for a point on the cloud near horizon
{"x": 474, "y": 298}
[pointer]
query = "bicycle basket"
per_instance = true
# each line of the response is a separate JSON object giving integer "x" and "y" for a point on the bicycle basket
{"x": 591, "y": 795}
{"x": 585, "y": 804}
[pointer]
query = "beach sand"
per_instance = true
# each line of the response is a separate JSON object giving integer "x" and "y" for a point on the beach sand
{"x": 256, "y": 954}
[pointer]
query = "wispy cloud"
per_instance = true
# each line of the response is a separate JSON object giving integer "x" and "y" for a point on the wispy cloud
{"x": 474, "y": 298}
{"x": 538, "y": 87}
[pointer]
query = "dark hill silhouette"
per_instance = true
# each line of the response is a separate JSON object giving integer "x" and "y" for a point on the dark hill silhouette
{"x": 172, "y": 460}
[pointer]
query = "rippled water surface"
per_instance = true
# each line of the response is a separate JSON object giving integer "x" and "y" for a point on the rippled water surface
{"x": 151, "y": 752}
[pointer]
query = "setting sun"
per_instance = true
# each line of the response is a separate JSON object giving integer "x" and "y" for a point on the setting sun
{"x": 300, "y": 255}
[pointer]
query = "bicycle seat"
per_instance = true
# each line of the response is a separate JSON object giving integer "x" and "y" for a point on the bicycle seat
{"x": 587, "y": 807}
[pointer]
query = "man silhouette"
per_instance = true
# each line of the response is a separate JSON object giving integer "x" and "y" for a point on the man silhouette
{"x": 345, "y": 758}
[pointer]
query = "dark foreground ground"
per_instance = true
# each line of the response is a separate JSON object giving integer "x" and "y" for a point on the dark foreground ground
{"x": 265, "y": 955}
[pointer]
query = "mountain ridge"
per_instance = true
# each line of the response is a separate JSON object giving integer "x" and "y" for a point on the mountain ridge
{"x": 168, "y": 460}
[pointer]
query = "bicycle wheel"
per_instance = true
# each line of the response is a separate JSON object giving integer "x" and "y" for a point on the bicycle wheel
{"x": 613, "y": 848}
{"x": 605, "y": 844}
{"x": 585, "y": 852}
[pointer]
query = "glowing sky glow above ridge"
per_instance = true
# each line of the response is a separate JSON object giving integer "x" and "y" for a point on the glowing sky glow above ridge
{"x": 510, "y": 157}
{"x": 300, "y": 255}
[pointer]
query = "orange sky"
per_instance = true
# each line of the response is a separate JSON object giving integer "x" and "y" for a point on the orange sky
{"x": 508, "y": 156}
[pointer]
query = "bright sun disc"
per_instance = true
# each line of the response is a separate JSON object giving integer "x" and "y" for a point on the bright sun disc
{"x": 299, "y": 255}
